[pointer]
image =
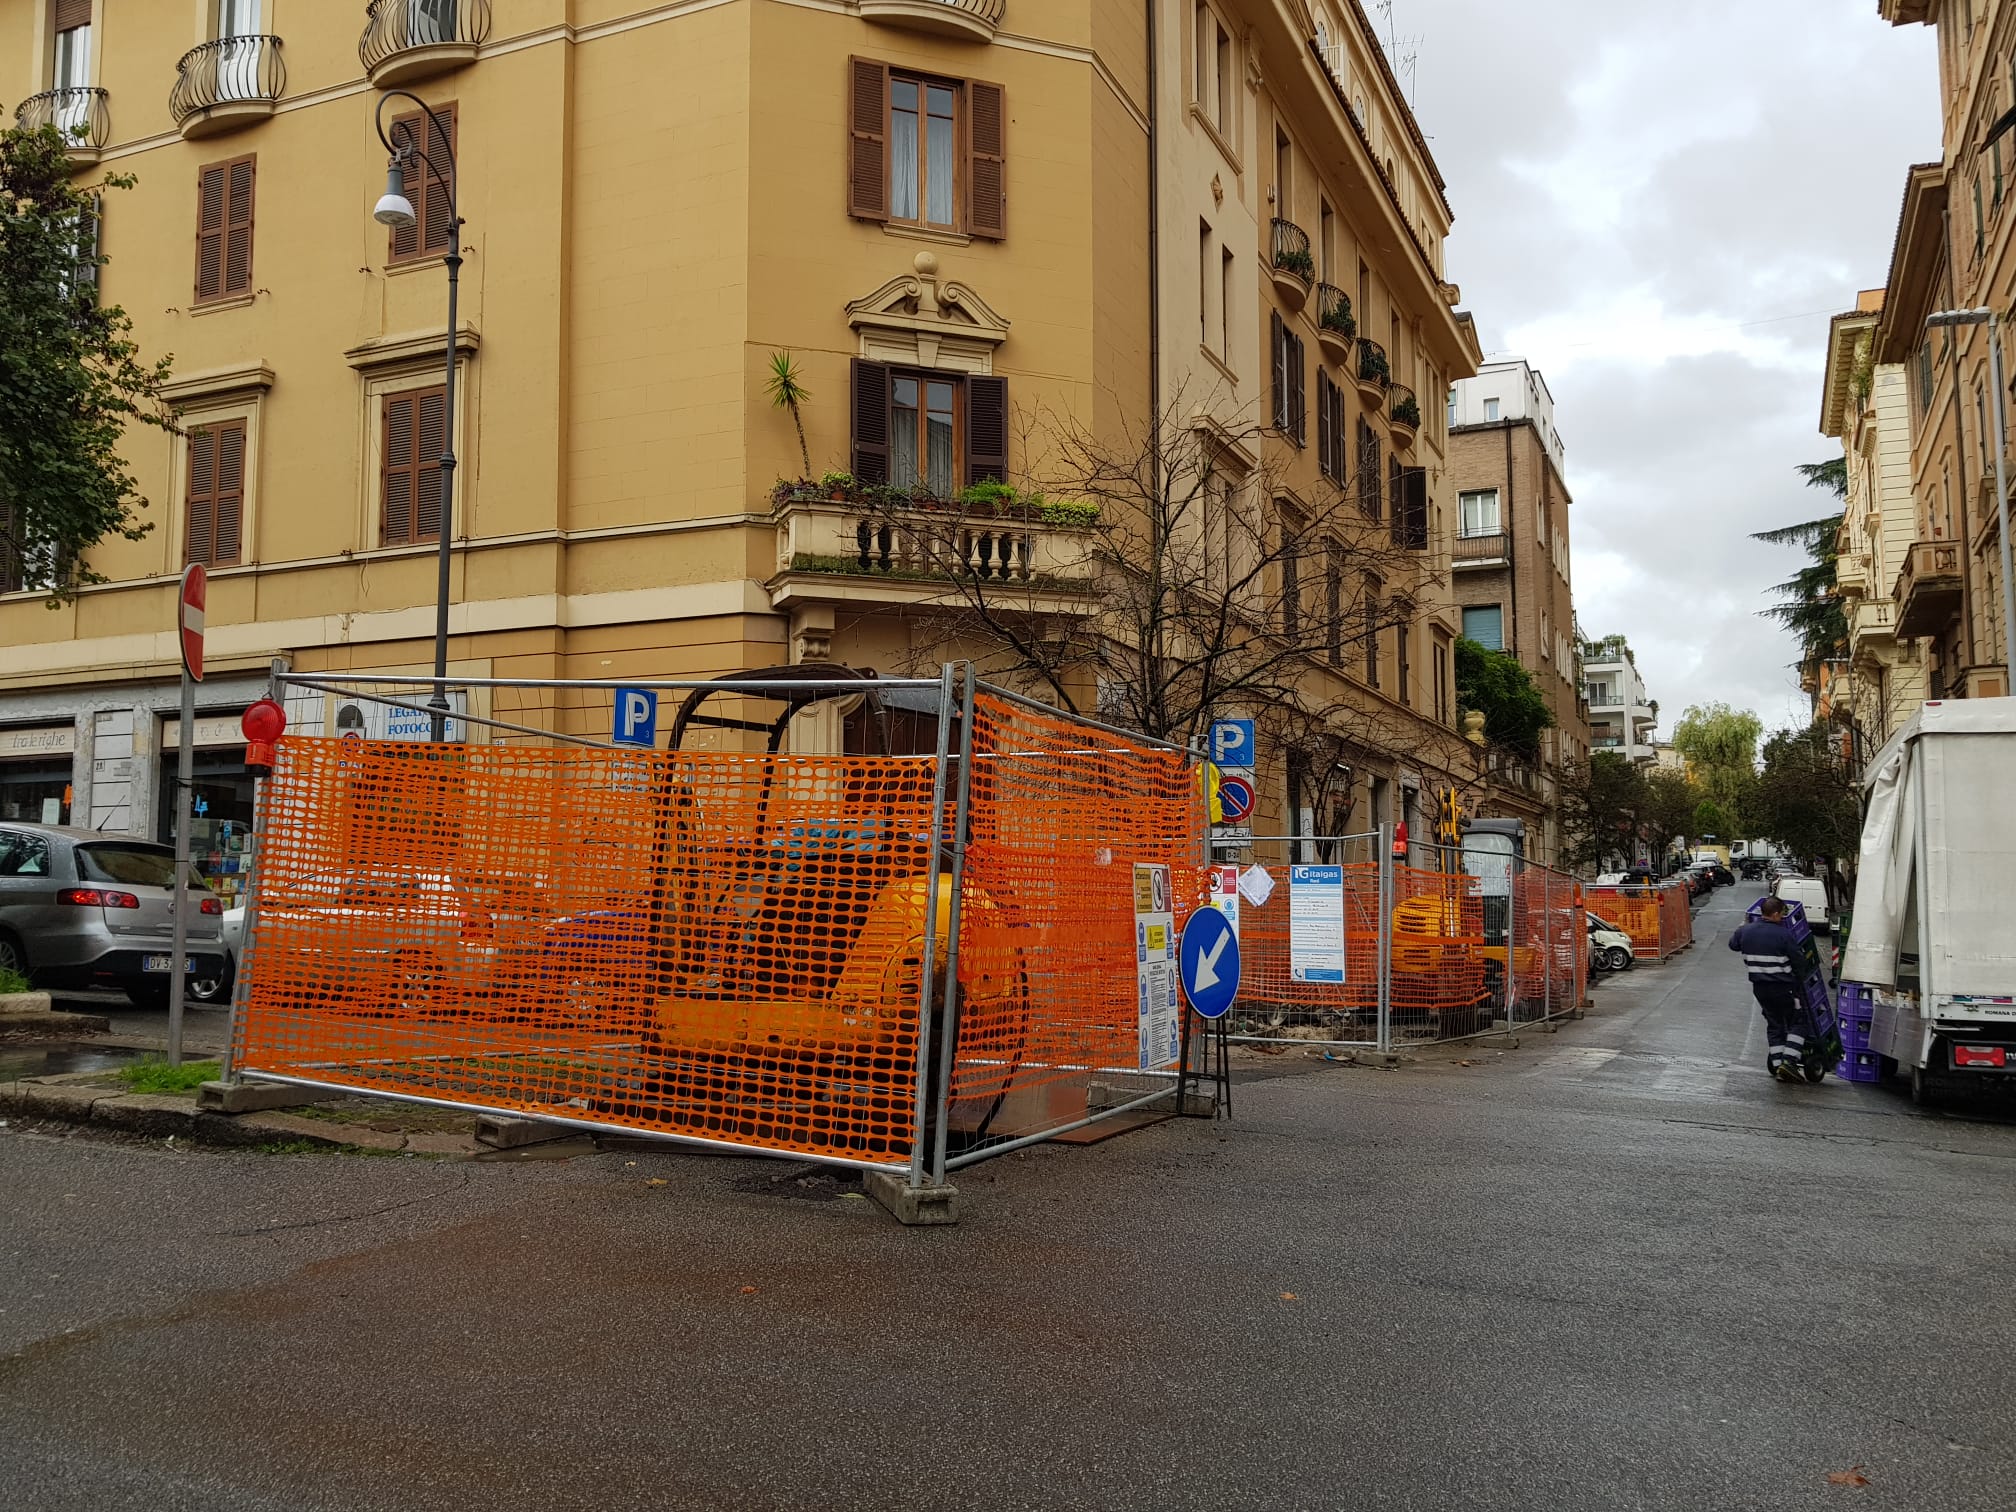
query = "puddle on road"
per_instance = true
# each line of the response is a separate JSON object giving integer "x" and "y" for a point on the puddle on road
{"x": 67, "y": 1059}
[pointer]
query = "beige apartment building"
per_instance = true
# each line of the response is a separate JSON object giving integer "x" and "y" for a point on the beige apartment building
{"x": 1954, "y": 249}
{"x": 1866, "y": 407}
{"x": 1309, "y": 336}
{"x": 940, "y": 209}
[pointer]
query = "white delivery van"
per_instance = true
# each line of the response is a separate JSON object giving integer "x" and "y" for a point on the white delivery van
{"x": 1810, "y": 891}
{"x": 1935, "y": 895}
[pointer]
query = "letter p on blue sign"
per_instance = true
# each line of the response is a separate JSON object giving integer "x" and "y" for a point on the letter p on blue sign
{"x": 636, "y": 717}
{"x": 1232, "y": 743}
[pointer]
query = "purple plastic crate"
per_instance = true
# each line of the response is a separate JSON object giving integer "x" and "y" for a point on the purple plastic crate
{"x": 1860, "y": 1066}
{"x": 1854, "y": 999}
{"x": 1854, "y": 1032}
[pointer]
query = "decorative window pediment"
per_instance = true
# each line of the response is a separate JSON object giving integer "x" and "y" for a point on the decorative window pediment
{"x": 921, "y": 320}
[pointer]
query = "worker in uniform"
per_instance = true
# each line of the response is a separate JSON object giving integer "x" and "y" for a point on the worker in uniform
{"x": 1773, "y": 959}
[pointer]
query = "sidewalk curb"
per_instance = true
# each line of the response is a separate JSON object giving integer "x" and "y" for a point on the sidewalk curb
{"x": 160, "y": 1117}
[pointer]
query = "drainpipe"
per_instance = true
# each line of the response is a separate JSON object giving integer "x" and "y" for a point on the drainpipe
{"x": 1154, "y": 253}
{"x": 1511, "y": 544}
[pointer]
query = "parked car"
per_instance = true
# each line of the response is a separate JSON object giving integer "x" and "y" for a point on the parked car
{"x": 1811, "y": 893}
{"x": 1609, "y": 947}
{"x": 83, "y": 909}
{"x": 217, "y": 988}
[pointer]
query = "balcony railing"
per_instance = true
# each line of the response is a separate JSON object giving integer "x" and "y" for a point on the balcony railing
{"x": 411, "y": 39}
{"x": 1374, "y": 372}
{"x": 1336, "y": 326}
{"x": 83, "y": 116}
{"x": 1482, "y": 550}
{"x": 974, "y": 20}
{"x": 1291, "y": 250}
{"x": 1928, "y": 588}
{"x": 1403, "y": 412}
{"x": 223, "y": 81}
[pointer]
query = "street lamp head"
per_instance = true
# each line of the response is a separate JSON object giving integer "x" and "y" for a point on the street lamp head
{"x": 1940, "y": 319}
{"x": 394, "y": 209}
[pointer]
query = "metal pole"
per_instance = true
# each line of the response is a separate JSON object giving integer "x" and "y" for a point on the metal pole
{"x": 439, "y": 702}
{"x": 1512, "y": 945}
{"x": 2002, "y": 505}
{"x": 1552, "y": 961}
{"x": 961, "y": 818}
{"x": 927, "y": 980}
{"x": 254, "y": 864}
{"x": 178, "y": 911}
{"x": 1384, "y": 935}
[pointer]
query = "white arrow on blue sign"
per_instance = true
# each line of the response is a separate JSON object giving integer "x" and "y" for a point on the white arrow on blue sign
{"x": 636, "y": 717}
{"x": 1208, "y": 959}
{"x": 1232, "y": 742}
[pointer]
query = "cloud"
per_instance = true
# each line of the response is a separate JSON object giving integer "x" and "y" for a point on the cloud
{"x": 1643, "y": 196}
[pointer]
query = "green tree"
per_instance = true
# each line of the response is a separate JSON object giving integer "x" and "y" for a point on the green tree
{"x": 1807, "y": 801}
{"x": 1810, "y": 606}
{"x": 71, "y": 376}
{"x": 1602, "y": 809}
{"x": 1671, "y": 799}
{"x": 1494, "y": 684}
{"x": 1720, "y": 744}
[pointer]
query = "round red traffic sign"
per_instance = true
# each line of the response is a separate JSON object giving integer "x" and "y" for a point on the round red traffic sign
{"x": 1235, "y": 799}
{"x": 195, "y": 591}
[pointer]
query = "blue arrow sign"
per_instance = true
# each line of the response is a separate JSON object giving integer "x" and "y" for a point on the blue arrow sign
{"x": 1208, "y": 959}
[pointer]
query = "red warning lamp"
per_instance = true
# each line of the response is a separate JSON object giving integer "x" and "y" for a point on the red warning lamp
{"x": 1400, "y": 841}
{"x": 263, "y": 724}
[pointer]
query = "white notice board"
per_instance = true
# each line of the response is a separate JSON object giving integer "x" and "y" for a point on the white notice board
{"x": 1316, "y": 923}
{"x": 1155, "y": 966}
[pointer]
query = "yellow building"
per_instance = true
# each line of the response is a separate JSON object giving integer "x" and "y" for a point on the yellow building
{"x": 940, "y": 209}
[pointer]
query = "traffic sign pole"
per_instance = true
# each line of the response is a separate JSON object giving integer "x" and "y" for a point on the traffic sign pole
{"x": 189, "y": 607}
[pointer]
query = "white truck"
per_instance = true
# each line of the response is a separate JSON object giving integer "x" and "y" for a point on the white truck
{"x": 1934, "y": 929}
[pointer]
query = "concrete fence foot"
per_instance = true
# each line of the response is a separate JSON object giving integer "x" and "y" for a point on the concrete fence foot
{"x": 502, "y": 1133}
{"x": 913, "y": 1207}
{"x": 249, "y": 1097}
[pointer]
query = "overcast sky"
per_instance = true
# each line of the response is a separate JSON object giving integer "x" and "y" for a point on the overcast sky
{"x": 1637, "y": 188}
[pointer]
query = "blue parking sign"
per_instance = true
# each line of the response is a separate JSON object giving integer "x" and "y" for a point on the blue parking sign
{"x": 1232, "y": 743}
{"x": 636, "y": 717}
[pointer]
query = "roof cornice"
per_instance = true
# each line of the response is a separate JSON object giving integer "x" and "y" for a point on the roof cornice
{"x": 1915, "y": 259}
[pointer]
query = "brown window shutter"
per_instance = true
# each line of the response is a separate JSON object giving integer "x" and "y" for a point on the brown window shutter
{"x": 1324, "y": 436}
{"x": 211, "y": 197}
{"x": 428, "y": 190}
{"x": 396, "y": 473}
{"x": 70, "y": 14}
{"x": 429, "y": 442}
{"x": 1278, "y": 360}
{"x": 200, "y": 534}
{"x": 868, "y": 135}
{"x": 986, "y": 160}
{"x": 238, "y": 226}
{"x": 1298, "y": 398}
{"x": 1416, "y": 488}
{"x": 871, "y": 421}
{"x": 986, "y": 430}
{"x": 229, "y": 514}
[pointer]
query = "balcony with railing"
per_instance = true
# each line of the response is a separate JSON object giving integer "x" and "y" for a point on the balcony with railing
{"x": 1929, "y": 588}
{"x": 855, "y": 547}
{"x": 224, "y": 84}
{"x": 1292, "y": 265}
{"x": 1403, "y": 414}
{"x": 82, "y": 115}
{"x": 1374, "y": 373}
{"x": 405, "y": 40}
{"x": 968, "y": 20}
{"x": 1336, "y": 326}
{"x": 1482, "y": 550}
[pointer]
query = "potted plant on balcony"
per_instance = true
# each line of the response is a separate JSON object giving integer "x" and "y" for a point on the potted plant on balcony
{"x": 1296, "y": 260}
{"x": 1337, "y": 317}
{"x": 838, "y": 485}
{"x": 1373, "y": 367}
{"x": 1407, "y": 413}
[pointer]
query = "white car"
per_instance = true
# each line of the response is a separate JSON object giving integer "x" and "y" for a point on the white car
{"x": 1609, "y": 947}
{"x": 217, "y": 989}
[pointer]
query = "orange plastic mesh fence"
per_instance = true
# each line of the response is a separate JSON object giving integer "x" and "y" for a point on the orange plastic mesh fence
{"x": 711, "y": 945}
{"x": 1676, "y": 920}
{"x": 1551, "y": 945}
{"x": 1439, "y": 956}
{"x": 1050, "y": 983}
{"x": 1657, "y": 916}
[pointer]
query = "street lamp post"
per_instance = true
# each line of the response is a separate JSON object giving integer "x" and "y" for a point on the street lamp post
{"x": 396, "y": 210}
{"x": 1986, "y": 316}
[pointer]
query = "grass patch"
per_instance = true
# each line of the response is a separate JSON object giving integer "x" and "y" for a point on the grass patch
{"x": 154, "y": 1075}
{"x": 12, "y": 981}
{"x": 316, "y": 1147}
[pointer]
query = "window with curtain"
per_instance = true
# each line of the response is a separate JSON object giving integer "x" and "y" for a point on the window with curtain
{"x": 1480, "y": 512}
{"x": 922, "y": 180}
{"x": 923, "y": 425}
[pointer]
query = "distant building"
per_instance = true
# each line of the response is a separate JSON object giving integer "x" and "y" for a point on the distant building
{"x": 1621, "y": 715}
{"x": 1666, "y": 758}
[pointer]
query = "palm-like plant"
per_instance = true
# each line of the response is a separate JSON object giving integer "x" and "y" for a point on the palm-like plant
{"x": 787, "y": 390}
{"x": 1809, "y": 606}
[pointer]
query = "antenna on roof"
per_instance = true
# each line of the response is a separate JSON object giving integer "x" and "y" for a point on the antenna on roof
{"x": 1403, "y": 52}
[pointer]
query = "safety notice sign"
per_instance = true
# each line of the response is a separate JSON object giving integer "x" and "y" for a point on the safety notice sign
{"x": 1155, "y": 967}
{"x": 1316, "y": 923}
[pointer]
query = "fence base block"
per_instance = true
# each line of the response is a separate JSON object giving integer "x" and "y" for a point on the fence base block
{"x": 250, "y": 1097}
{"x": 914, "y": 1207}
{"x": 502, "y": 1133}
{"x": 1377, "y": 1058}
{"x": 1198, "y": 1102}
{"x": 1504, "y": 1039}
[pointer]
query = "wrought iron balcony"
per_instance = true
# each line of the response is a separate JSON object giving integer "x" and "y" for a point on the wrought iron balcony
{"x": 972, "y": 20}
{"x": 1293, "y": 268}
{"x": 223, "y": 84}
{"x": 1929, "y": 588}
{"x": 1336, "y": 327}
{"x": 1482, "y": 550}
{"x": 1375, "y": 374}
{"x": 406, "y": 40}
{"x": 1403, "y": 413}
{"x": 82, "y": 115}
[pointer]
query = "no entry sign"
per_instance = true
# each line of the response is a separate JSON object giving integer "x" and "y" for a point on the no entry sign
{"x": 195, "y": 591}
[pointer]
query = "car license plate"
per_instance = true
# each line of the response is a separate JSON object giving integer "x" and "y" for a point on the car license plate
{"x": 165, "y": 963}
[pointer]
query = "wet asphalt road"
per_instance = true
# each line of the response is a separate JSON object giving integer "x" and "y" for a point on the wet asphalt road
{"x": 1613, "y": 1268}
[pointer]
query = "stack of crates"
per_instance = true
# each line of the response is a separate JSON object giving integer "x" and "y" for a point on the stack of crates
{"x": 1856, "y": 1006}
{"x": 1815, "y": 984}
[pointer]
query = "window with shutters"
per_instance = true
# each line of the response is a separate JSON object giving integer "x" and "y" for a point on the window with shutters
{"x": 1368, "y": 470}
{"x": 1370, "y": 616}
{"x": 1403, "y": 665}
{"x": 430, "y": 184}
{"x": 1290, "y": 556}
{"x": 1333, "y": 603}
{"x": 1290, "y": 403}
{"x": 224, "y": 194}
{"x": 1331, "y": 430}
{"x": 214, "y": 518}
{"x": 935, "y": 432}
{"x": 926, "y": 151}
{"x": 409, "y": 470}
